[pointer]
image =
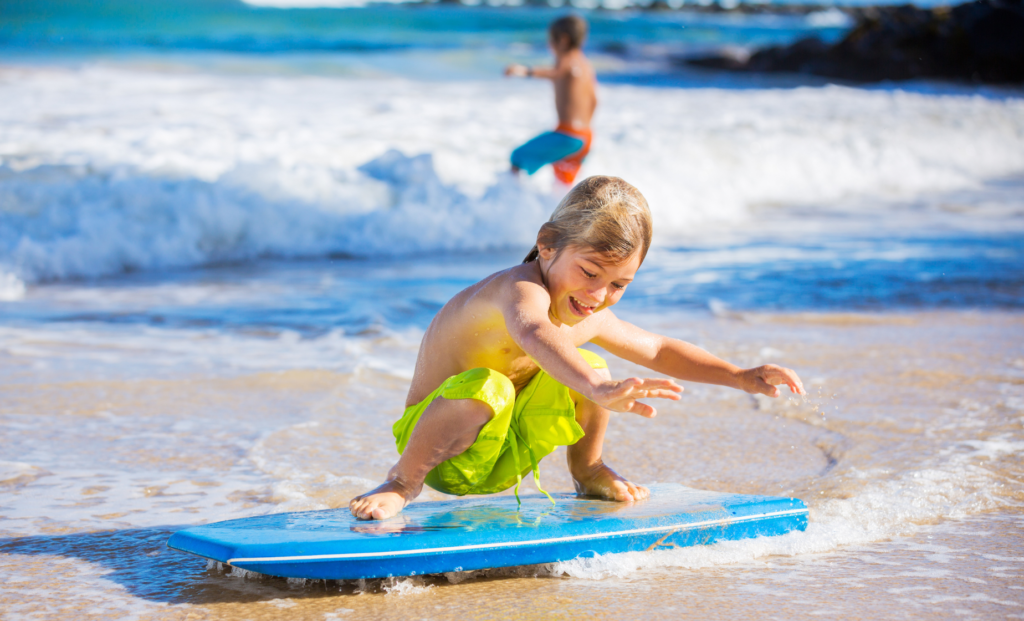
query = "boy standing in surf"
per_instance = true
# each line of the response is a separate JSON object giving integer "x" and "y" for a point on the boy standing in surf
{"x": 575, "y": 101}
{"x": 499, "y": 381}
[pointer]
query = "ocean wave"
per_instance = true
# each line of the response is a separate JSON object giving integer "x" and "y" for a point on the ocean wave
{"x": 65, "y": 222}
{"x": 116, "y": 170}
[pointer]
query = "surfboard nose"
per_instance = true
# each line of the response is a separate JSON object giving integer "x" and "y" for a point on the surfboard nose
{"x": 200, "y": 545}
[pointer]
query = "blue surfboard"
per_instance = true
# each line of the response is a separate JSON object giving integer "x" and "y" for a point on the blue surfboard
{"x": 485, "y": 532}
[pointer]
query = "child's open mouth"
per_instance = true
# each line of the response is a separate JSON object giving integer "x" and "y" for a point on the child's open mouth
{"x": 580, "y": 308}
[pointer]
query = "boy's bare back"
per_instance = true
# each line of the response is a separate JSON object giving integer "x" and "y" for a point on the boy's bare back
{"x": 575, "y": 90}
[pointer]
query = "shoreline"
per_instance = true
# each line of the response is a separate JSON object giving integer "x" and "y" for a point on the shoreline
{"x": 904, "y": 450}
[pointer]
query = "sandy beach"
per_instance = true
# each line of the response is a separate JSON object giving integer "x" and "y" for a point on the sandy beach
{"x": 910, "y": 464}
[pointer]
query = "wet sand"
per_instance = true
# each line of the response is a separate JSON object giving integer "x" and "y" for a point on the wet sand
{"x": 909, "y": 451}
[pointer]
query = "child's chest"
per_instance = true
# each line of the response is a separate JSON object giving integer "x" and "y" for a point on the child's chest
{"x": 495, "y": 349}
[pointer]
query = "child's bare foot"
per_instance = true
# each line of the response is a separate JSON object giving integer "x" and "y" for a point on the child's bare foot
{"x": 375, "y": 527}
{"x": 385, "y": 501}
{"x": 603, "y": 481}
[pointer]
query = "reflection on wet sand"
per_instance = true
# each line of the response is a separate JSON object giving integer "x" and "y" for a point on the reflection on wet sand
{"x": 909, "y": 452}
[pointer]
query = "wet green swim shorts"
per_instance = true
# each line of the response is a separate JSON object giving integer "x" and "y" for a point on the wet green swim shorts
{"x": 525, "y": 428}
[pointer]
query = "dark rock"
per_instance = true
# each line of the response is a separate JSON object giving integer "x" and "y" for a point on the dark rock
{"x": 979, "y": 41}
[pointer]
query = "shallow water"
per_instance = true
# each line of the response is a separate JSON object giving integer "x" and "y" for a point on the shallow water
{"x": 216, "y": 266}
{"x": 908, "y": 451}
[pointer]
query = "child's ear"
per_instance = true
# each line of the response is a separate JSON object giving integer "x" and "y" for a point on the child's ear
{"x": 545, "y": 252}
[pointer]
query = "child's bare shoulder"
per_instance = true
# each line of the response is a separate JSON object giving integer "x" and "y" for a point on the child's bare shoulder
{"x": 576, "y": 65}
{"x": 505, "y": 287}
{"x": 522, "y": 282}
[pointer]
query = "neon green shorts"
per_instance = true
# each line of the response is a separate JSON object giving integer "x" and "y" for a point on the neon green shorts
{"x": 525, "y": 429}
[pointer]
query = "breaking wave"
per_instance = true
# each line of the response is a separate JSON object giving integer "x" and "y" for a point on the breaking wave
{"x": 62, "y": 222}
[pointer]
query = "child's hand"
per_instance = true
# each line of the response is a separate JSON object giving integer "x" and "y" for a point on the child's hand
{"x": 763, "y": 380}
{"x": 621, "y": 396}
{"x": 516, "y": 71}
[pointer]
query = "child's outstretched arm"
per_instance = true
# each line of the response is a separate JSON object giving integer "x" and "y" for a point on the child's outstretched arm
{"x": 528, "y": 323}
{"x": 550, "y": 73}
{"x": 688, "y": 362}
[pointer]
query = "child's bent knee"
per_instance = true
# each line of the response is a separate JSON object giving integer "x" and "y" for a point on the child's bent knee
{"x": 474, "y": 410}
{"x": 484, "y": 386}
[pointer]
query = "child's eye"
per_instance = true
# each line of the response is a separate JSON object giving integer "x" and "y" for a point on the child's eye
{"x": 589, "y": 275}
{"x": 618, "y": 286}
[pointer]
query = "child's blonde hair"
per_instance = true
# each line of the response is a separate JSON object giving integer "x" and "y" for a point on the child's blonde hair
{"x": 604, "y": 214}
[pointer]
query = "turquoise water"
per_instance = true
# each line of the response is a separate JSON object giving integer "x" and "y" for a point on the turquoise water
{"x": 459, "y": 42}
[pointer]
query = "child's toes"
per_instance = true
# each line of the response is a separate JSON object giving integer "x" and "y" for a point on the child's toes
{"x": 366, "y": 511}
{"x": 642, "y": 493}
{"x": 363, "y": 509}
{"x": 620, "y": 491}
{"x": 634, "y": 490}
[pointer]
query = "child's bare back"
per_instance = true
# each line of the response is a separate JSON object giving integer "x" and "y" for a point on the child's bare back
{"x": 575, "y": 89}
{"x": 510, "y": 342}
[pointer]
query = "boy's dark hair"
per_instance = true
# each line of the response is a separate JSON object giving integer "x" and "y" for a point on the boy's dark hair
{"x": 572, "y": 26}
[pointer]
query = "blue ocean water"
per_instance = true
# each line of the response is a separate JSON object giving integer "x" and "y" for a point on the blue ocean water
{"x": 234, "y": 26}
{"x": 192, "y": 145}
{"x": 373, "y": 296}
{"x": 431, "y": 41}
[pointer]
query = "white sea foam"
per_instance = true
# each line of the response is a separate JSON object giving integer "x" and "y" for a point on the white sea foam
{"x": 16, "y": 473}
{"x": 890, "y": 505}
{"x": 829, "y": 18}
{"x": 405, "y": 586}
{"x": 82, "y": 348}
{"x": 108, "y": 170}
{"x": 11, "y": 287}
{"x": 91, "y": 224}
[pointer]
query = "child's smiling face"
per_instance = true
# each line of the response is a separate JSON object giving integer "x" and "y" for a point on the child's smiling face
{"x": 582, "y": 282}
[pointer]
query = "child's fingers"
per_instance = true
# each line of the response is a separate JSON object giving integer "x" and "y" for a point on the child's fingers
{"x": 643, "y": 410}
{"x": 782, "y": 375}
{"x": 794, "y": 383}
{"x": 774, "y": 375}
{"x": 628, "y": 387}
{"x": 661, "y": 394}
{"x": 766, "y": 388}
{"x": 660, "y": 382}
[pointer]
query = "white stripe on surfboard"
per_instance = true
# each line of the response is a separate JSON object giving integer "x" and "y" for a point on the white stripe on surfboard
{"x": 511, "y": 544}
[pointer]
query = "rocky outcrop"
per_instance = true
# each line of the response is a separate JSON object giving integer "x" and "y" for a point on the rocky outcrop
{"x": 981, "y": 41}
